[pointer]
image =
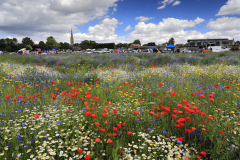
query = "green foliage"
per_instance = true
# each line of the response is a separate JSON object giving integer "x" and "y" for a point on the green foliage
{"x": 86, "y": 44}
{"x": 27, "y": 41}
{"x": 171, "y": 41}
{"x": 51, "y": 43}
{"x": 137, "y": 41}
{"x": 29, "y": 47}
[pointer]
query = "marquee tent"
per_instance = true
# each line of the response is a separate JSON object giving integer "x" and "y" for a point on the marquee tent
{"x": 170, "y": 46}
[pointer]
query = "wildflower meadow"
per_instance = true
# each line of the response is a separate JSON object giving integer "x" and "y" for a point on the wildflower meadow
{"x": 120, "y": 106}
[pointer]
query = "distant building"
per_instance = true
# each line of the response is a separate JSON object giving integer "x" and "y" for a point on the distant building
{"x": 135, "y": 45}
{"x": 203, "y": 43}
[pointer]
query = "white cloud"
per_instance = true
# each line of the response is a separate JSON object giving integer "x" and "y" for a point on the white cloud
{"x": 225, "y": 24}
{"x": 167, "y": 2}
{"x": 176, "y": 3}
{"x": 230, "y": 8}
{"x": 143, "y": 19}
{"x": 127, "y": 28}
{"x": 164, "y": 30}
{"x": 103, "y": 32}
{"x": 114, "y": 9}
{"x": 49, "y": 17}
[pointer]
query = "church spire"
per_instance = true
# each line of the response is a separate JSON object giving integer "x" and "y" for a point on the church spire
{"x": 71, "y": 39}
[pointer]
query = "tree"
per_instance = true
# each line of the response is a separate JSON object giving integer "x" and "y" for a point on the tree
{"x": 88, "y": 44}
{"x": 66, "y": 45}
{"x": 27, "y": 41}
{"x": 41, "y": 45}
{"x": 29, "y": 47}
{"x": 137, "y": 41}
{"x": 61, "y": 45}
{"x": 171, "y": 41}
{"x": 2, "y": 44}
{"x": 8, "y": 48}
{"x": 51, "y": 43}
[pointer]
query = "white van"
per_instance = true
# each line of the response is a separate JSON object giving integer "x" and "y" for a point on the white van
{"x": 218, "y": 49}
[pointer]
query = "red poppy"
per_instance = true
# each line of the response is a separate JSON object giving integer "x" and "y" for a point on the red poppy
{"x": 115, "y": 129}
{"x": 199, "y": 91}
{"x": 193, "y": 128}
{"x": 199, "y": 156}
{"x": 109, "y": 134}
{"x": 201, "y": 95}
{"x": 129, "y": 132}
{"x": 211, "y": 95}
{"x": 179, "y": 105}
{"x": 36, "y": 116}
{"x": 114, "y": 134}
{"x": 136, "y": 112}
{"x": 177, "y": 125}
{"x": 52, "y": 83}
{"x": 188, "y": 130}
{"x": 101, "y": 129}
{"x": 211, "y": 99}
{"x": 209, "y": 117}
{"x": 173, "y": 115}
{"x": 87, "y": 157}
{"x": 216, "y": 86}
{"x": 153, "y": 94}
{"x": 161, "y": 84}
{"x": 96, "y": 80}
{"x": 109, "y": 141}
{"x": 151, "y": 112}
{"x": 124, "y": 124}
{"x": 94, "y": 115}
{"x": 68, "y": 110}
{"x": 115, "y": 111}
{"x": 44, "y": 89}
{"x": 194, "y": 107}
{"x": 97, "y": 140}
{"x": 227, "y": 87}
{"x": 106, "y": 122}
{"x": 8, "y": 97}
{"x": 96, "y": 123}
{"x": 187, "y": 118}
{"x": 119, "y": 125}
{"x": 22, "y": 86}
{"x": 203, "y": 113}
{"x": 88, "y": 113}
{"x": 179, "y": 139}
{"x": 203, "y": 153}
{"x": 80, "y": 150}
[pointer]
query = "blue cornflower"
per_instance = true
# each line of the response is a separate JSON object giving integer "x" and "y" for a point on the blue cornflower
{"x": 21, "y": 142}
{"x": 164, "y": 132}
{"x": 149, "y": 129}
{"x": 23, "y": 124}
{"x": 8, "y": 144}
{"x": 154, "y": 122}
{"x": 232, "y": 118}
{"x": 137, "y": 119}
{"x": 25, "y": 146}
{"x": 120, "y": 132}
{"x": 200, "y": 138}
{"x": 179, "y": 142}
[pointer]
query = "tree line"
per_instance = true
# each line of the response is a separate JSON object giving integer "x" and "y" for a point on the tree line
{"x": 12, "y": 45}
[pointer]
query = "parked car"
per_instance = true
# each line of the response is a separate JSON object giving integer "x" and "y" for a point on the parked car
{"x": 218, "y": 49}
{"x": 89, "y": 51}
{"x": 100, "y": 51}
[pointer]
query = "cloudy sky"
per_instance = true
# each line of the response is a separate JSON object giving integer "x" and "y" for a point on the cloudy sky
{"x": 120, "y": 20}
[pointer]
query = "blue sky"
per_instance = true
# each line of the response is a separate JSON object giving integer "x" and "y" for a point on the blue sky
{"x": 107, "y": 20}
